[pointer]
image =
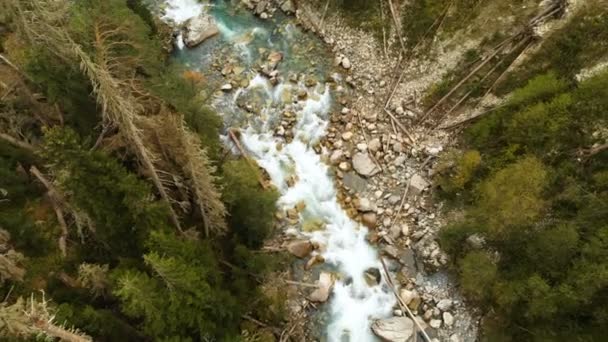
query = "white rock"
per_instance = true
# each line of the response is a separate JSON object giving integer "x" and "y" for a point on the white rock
{"x": 346, "y": 136}
{"x": 435, "y": 323}
{"x": 345, "y": 63}
{"x": 362, "y": 147}
{"x": 344, "y": 166}
{"x": 418, "y": 184}
{"x": 394, "y": 329}
{"x": 365, "y": 205}
{"x": 374, "y": 145}
{"x": 227, "y": 87}
{"x": 448, "y": 319}
{"x": 405, "y": 230}
{"x": 198, "y": 29}
{"x": 444, "y": 305}
{"x": 399, "y": 110}
{"x": 325, "y": 283}
{"x": 345, "y": 110}
{"x": 336, "y": 156}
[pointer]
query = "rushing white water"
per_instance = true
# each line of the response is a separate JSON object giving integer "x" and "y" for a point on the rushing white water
{"x": 353, "y": 304}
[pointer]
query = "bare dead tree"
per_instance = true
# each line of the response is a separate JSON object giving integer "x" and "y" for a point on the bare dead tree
{"x": 42, "y": 21}
{"x": 34, "y": 317}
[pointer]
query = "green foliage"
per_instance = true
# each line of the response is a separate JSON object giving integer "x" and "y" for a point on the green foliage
{"x": 186, "y": 98}
{"x": 181, "y": 294}
{"x": 477, "y": 268}
{"x": 541, "y": 212}
{"x": 457, "y": 170}
{"x": 251, "y": 207}
{"x": 512, "y": 196}
{"x": 538, "y": 89}
{"x": 119, "y": 203}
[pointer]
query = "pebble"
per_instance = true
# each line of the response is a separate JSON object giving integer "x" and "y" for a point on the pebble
{"x": 346, "y": 136}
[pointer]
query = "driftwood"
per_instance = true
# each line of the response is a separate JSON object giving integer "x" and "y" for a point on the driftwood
{"x": 403, "y": 200}
{"x": 365, "y": 137}
{"x": 297, "y": 283}
{"x": 16, "y": 142}
{"x": 400, "y": 125}
{"x": 403, "y": 306}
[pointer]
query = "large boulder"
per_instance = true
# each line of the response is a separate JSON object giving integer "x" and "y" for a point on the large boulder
{"x": 198, "y": 29}
{"x": 394, "y": 329}
{"x": 364, "y": 165}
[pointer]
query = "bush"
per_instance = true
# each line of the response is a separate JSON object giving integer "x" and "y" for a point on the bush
{"x": 251, "y": 207}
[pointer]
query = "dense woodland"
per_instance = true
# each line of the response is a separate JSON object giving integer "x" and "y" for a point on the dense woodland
{"x": 119, "y": 213}
{"x": 530, "y": 240}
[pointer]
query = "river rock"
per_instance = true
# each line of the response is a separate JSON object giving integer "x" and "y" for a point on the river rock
{"x": 346, "y": 136}
{"x": 336, "y": 156}
{"x": 274, "y": 58}
{"x": 394, "y": 329}
{"x": 226, "y": 87}
{"x": 288, "y": 7}
{"x": 370, "y": 219}
{"x": 435, "y": 323}
{"x": 315, "y": 260}
{"x": 364, "y": 165}
{"x": 418, "y": 184}
{"x": 411, "y": 298}
{"x": 345, "y": 62}
{"x": 444, "y": 305}
{"x": 354, "y": 181}
{"x": 198, "y": 29}
{"x": 372, "y": 276}
{"x": 448, "y": 319}
{"x": 324, "y": 285}
{"x": 374, "y": 145}
{"x": 300, "y": 248}
{"x": 365, "y": 205}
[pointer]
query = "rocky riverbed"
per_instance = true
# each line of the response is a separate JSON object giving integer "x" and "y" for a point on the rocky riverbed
{"x": 382, "y": 166}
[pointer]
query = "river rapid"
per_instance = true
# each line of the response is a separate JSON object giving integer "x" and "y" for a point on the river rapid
{"x": 306, "y": 89}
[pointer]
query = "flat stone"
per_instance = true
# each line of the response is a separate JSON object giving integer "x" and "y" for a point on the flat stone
{"x": 444, "y": 305}
{"x": 354, "y": 181}
{"x": 418, "y": 184}
{"x": 364, "y": 165}
{"x": 394, "y": 329}
{"x": 365, "y": 205}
